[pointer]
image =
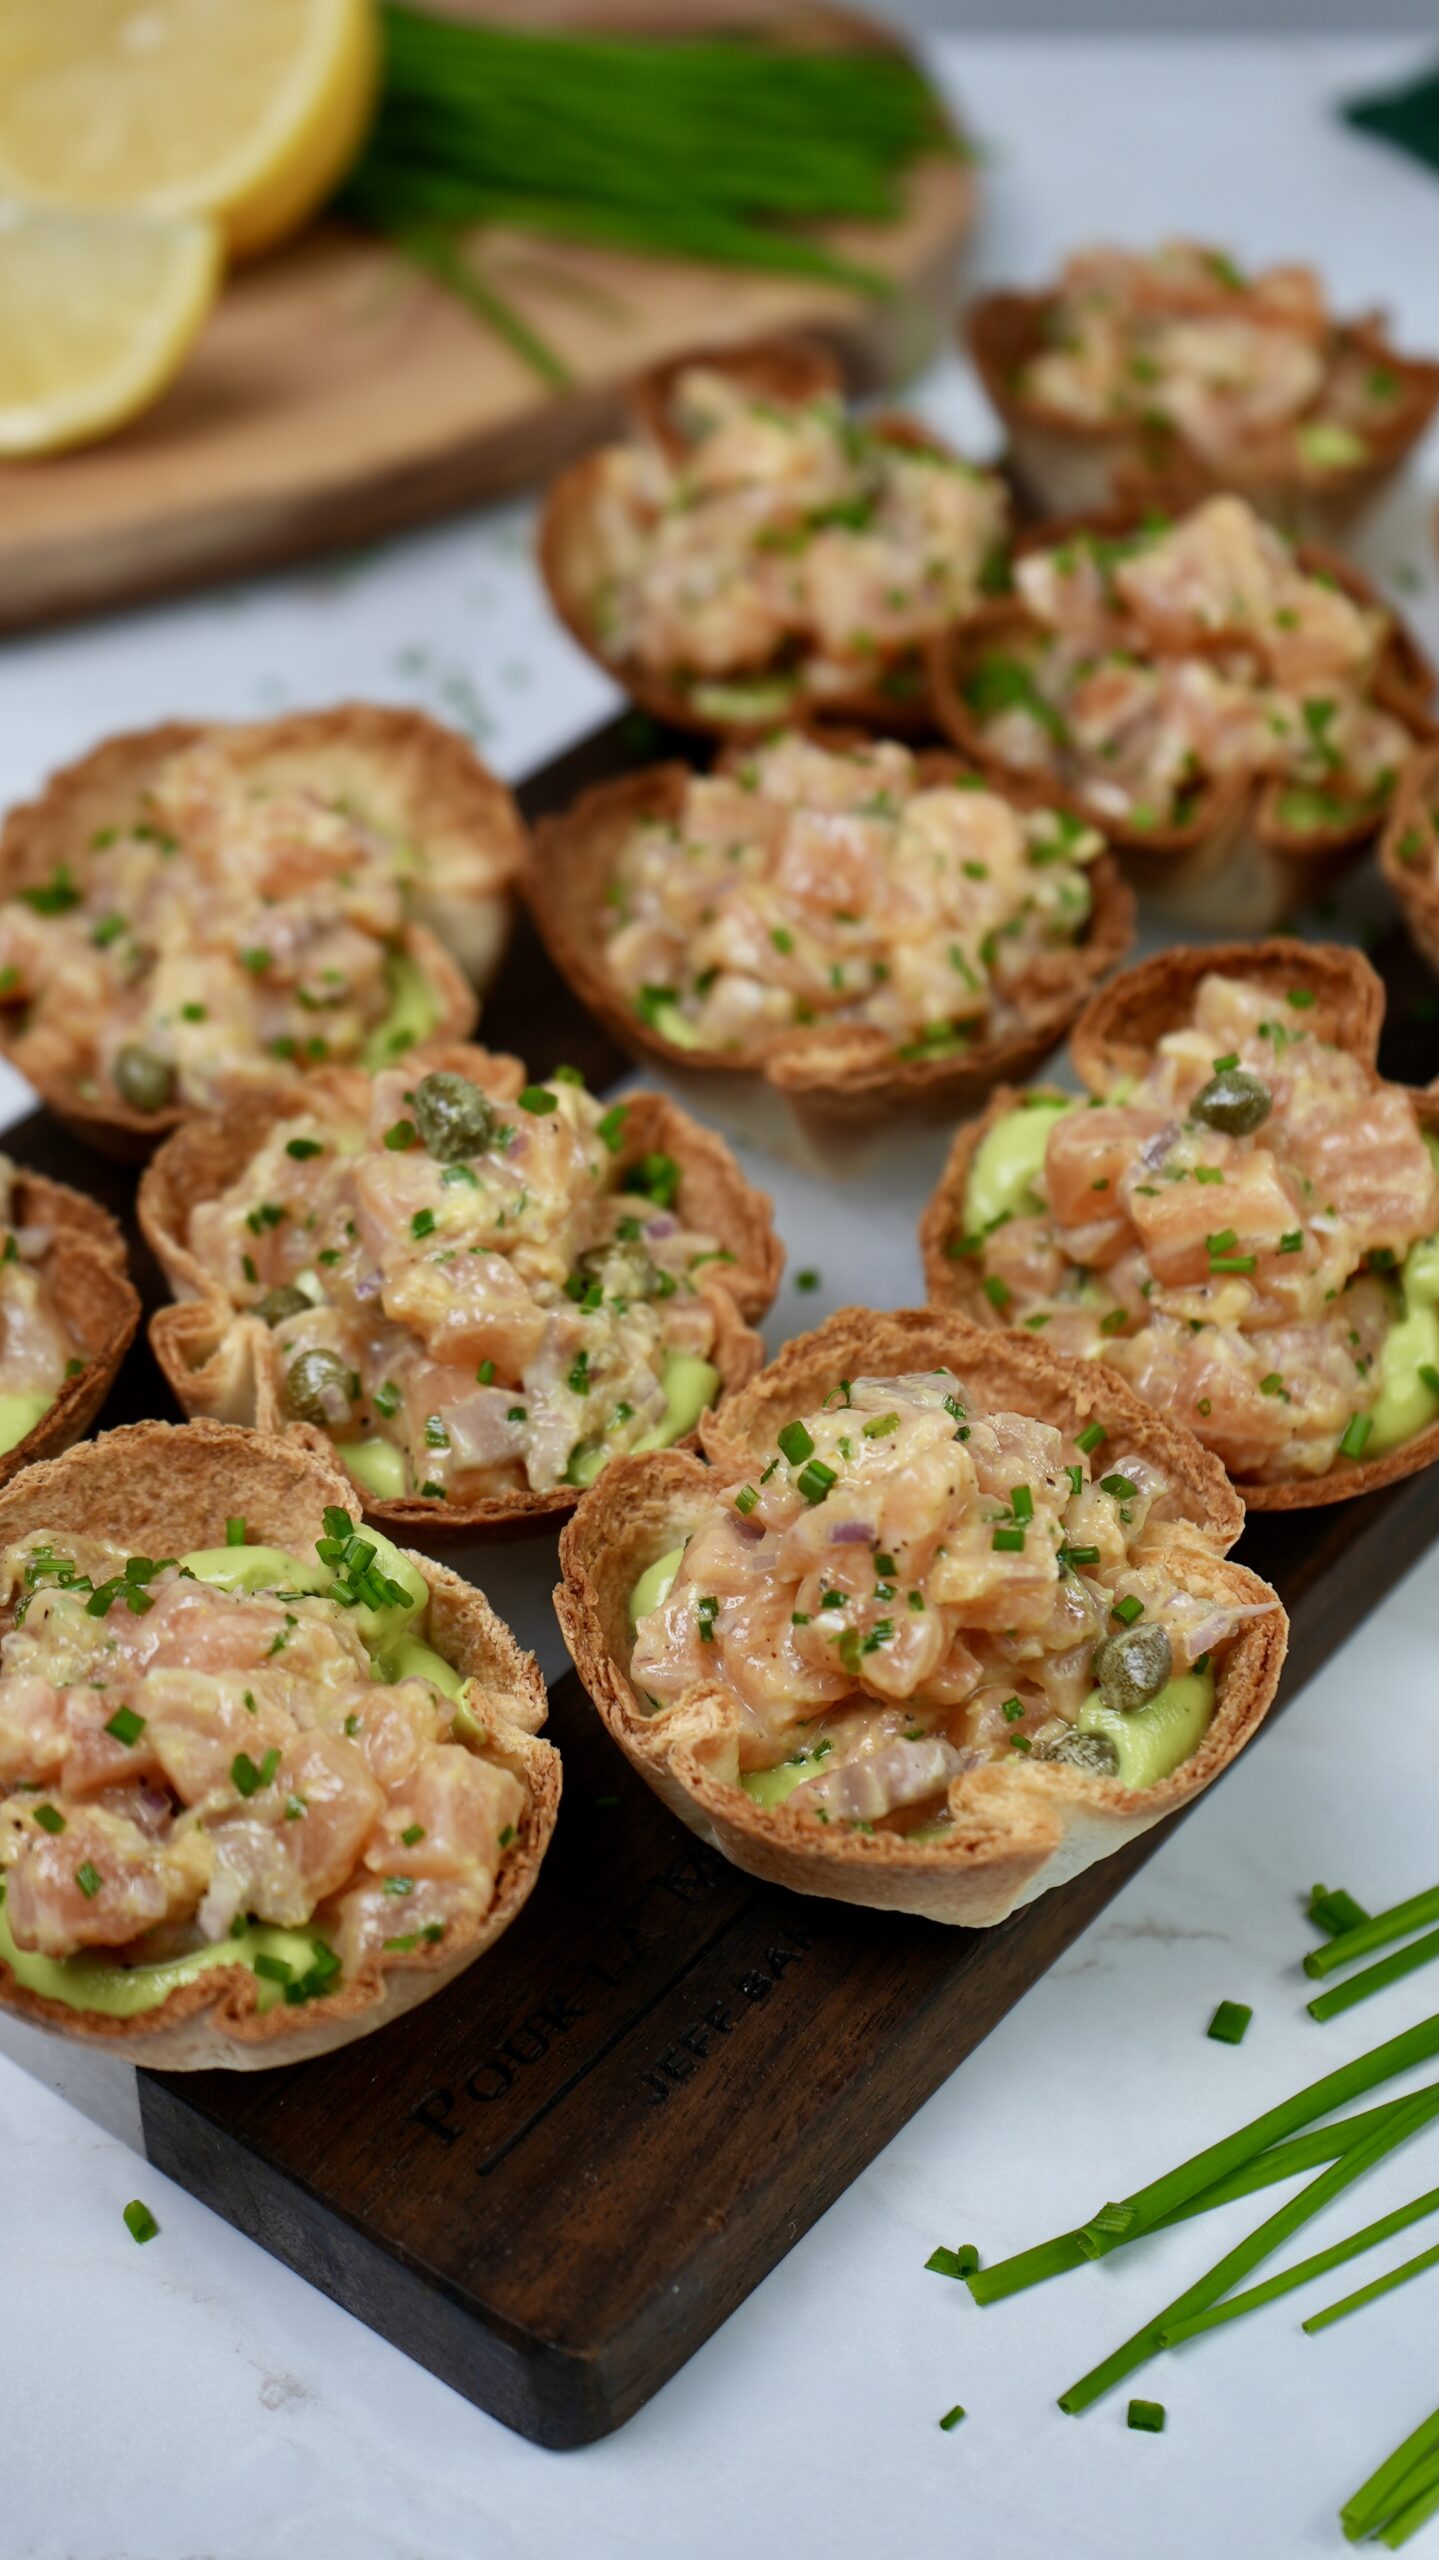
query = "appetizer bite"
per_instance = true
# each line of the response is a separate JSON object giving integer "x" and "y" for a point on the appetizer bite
{"x": 191, "y": 912}
{"x": 944, "y": 1620}
{"x": 470, "y": 1289}
{"x": 757, "y": 553}
{"x": 864, "y": 928}
{"x": 67, "y": 1314}
{"x": 1409, "y": 851}
{"x": 1234, "y": 710}
{"x": 1238, "y": 1214}
{"x": 264, "y": 1783}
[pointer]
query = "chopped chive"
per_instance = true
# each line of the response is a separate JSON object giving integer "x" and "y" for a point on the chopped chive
{"x": 1071, "y": 1557}
{"x": 1356, "y": 1435}
{"x": 1230, "y": 2022}
{"x": 745, "y": 1500}
{"x": 951, "y": 2419}
{"x": 236, "y": 1533}
{"x": 1012, "y": 1710}
{"x": 952, "y": 2262}
{"x": 139, "y": 2221}
{"x": 881, "y": 1427}
{"x": 1293, "y": 1242}
{"x": 537, "y": 1099}
{"x": 1008, "y": 1542}
{"x": 1300, "y": 997}
{"x": 1021, "y": 1502}
{"x": 814, "y": 1480}
{"x": 422, "y": 1224}
{"x": 89, "y": 1880}
{"x": 1335, "y": 1912}
{"x": 795, "y": 1443}
{"x": 806, "y": 1280}
{"x": 1249, "y": 2252}
{"x": 1127, "y": 1609}
{"x": 126, "y": 1726}
{"x": 273, "y": 1968}
{"x": 1146, "y": 2417}
{"x": 412, "y": 1832}
{"x": 1361, "y": 1936}
{"x": 1371, "y": 2236}
{"x": 1119, "y": 1486}
{"x": 485, "y": 1374}
{"x": 50, "y": 1818}
{"x": 1090, "y": 1438}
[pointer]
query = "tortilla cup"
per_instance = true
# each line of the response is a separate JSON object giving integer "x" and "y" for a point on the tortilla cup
{"x": 172, "y": 1488}
{"x": 1409, "y": 851}
{"x": 1064, "y": 465}
{"x": 838, "y": 1080}
{"x": 1114, "y": 1038}
{"x": 418, "y": 780}
{"x": 225, "y": 1365}
{"x": 1018, "y": 1829}
{"x": 895, "y": 697}
{"x": 1235, "y": 862}
{"x": 85, "y": 1272}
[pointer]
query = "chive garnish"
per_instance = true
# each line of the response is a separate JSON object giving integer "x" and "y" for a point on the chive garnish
{"x": 50, "y": 1818}
{"x": 139, "y": 2221}
{"x": 1371, "y": 2292}
{"x": 1071, "y": 1557}
{"x": 126, "y": 1726}
{"x": 1021, "y": 1502}
{"x": 1371, "y": 2236}
{"x": 273, "y": 1968}
{"x": 1119, "y": 1486}
{"x": 1249, "y": 2252}
{"x": 89, "y": 1880}
{"x": 1230, "y": 2022}
{"x": 1361, "y": 1936}
{"x": 952, "y": 2262}
{"x": 1090, "y": 1438}
{"x": 745, "y": 1500}
{"x": 1337, "y": 1911}
{"x": 1127, "y": 1610}
{"x": 795, "y": 1443}
{"x": 1146, "y": 2417}
{"x": 235, "y": 1533}
{"x": 1008, "y": 1542}
{"x": 814, "y": 1480}
{"x": 538, "y": 1100}
{"x": 951, "y": 2419}
{"x": 1375, "y": 1977}
{"x": 1356, "y": 1435}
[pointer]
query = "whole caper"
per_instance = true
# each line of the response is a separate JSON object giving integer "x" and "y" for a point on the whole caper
{"x": 277, "y": 1304}
{"x": 141, "y": 1078}
{"x": 312, "y": 1385}
{"x": 1132, "y": 1666}
{"x": 452, "y": 1115}
{"x": 1092, "y": 1752}
{"x": 1235, "y": 1101}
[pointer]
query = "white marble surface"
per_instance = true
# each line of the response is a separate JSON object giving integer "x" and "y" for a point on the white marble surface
{"x": 194, "y": 2401}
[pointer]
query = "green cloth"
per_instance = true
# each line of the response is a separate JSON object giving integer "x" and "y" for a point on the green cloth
{"x": 1407, "y": 117}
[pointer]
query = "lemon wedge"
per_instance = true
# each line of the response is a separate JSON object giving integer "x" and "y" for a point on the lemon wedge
{"x": 97, "y": 312}
{"x": 248, "y": 110}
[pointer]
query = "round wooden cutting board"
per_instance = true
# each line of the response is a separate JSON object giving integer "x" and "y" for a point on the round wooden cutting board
{"x": 337, "y": 394}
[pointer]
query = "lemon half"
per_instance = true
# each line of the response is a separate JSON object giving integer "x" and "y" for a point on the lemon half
{"x": 248, "y": 110}
{"x": 97, "y": 311}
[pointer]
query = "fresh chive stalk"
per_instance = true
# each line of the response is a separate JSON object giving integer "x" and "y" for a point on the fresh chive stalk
{"x": 1140, "y": 2211}
{"x": 1269, "y": 2168}
{"x": 1370, "y": 2292}
{"x": 1388, "y": 2489}
{"x": 1247, "y": 2253}
{"x": 1375, "y": 1977}
{"x": 1399, "y": 1921}
{"x": 1371, "y": 2237}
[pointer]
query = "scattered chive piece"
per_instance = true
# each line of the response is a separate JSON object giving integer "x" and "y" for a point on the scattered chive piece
{"x": 1320, "y": 2264}
{"x": 88, "y": 1879}
{"x": 1247, "y": 2253}
{"x": 1146, "y": 2417}
{"x": 1361, "y": 1936}
{"x": 1230, "y": 2022}
{"x": 235, "y": 1533}
{"x": 814, "y": 1480}
{"x": 273, "y": 1968}
{"x": 1356, "y": 1435}
{"x": 952, "y": 2262}
{"x": 1090, "y": 1437}
{"x": 140, "y": 2222}
{"x": 745, "y": 1500}
{"x": 50, "y": 1818}
{"x": 1021, "y": 1502}
{"x": 485, "y": 1374}
{"x": 538, "y": 1099}
{"x": 1127, "y": 1610}
{"x": 795, "y": 1443}
{"x": 1334, "y": 1913}
{"x": 951, "y": 2418}
{"x": 1300, "y": 997}
{"x": 1375, "y": 1977}
{"x": 1008, "y": 1542}
{"x": 1365, "y": 2293}
{"x": 126, "y": 1726}
{"x": 806, "y": 1280}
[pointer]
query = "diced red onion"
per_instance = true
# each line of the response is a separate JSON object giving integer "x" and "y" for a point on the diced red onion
{"x": 854, "y": 1533}
{"x": 657, "y": 1227}
{"x": 370, "y": 1286}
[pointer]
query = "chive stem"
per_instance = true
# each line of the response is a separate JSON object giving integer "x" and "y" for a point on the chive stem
{"x": 1249, "y": 2252}
{"x": 1389, "y": 2489}
{"x": 1399, "y": 1921}
{"x": 1370, "y": 2292}
{"x": 1375, "y": 1977}
{"x": 1320, "y": 2264}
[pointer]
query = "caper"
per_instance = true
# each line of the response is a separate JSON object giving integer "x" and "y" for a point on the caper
{"x": 313, "y": 1383}
{"x": 277, "y": 1304}
{"x": 1092, "y": 1752}
{"x": 453, "y": 1117}
{"x": 1234, "y": 1101}
{"x": 142, "y": 1079}
{"x": 1132, "y": 1666}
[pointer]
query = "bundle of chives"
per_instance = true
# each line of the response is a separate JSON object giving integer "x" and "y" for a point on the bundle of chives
{"x": 1361, "y": 1940}
{"x": 1370, "y": 2292}
{"x": 1250, "y": 2252}
{"x": 710, "y": 148}
{"x": 1371, "y": 2236}
{"x": 1376, "y": 1977}
{"x": 1267, "y": 2169}
{"x": 1397, "y": 2498}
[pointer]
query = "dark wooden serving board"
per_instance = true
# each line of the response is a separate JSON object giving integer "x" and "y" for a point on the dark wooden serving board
{"x": 551, "y": 2183}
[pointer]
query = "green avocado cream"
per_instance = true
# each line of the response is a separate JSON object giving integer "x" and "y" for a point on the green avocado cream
{"x": 119, "y": 1990}
{"x": 770, "y": 1787}
{"x": 1007, "y": 1163}
{"x": 655, "y": 1585}
{"x": 19, "y": 1414}
{"x": 1154, "y": 1740}
{"x": 413, "y": 1659}
{"x": 762, "y": 698}
{"x": 667, "y": 1019}
{"x": 414, "y": 1011}
{"x": 1406, "y": 1403}
{"x": 690, "y": 1384}
{"x": 254, "y": 1569}
{"x": 1332, "y": 447}
{"x": 377, "y": 1465}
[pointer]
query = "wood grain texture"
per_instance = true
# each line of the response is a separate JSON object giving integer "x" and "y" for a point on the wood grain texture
{"x": 337, "y": 394}
{"x": 558, "y": 2179}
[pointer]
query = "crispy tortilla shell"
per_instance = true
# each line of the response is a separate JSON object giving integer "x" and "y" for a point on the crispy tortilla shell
{"x": 85, "y": 1272}
{"x": 1017, "y": 1830}
{"x": 171, "y": 1489}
